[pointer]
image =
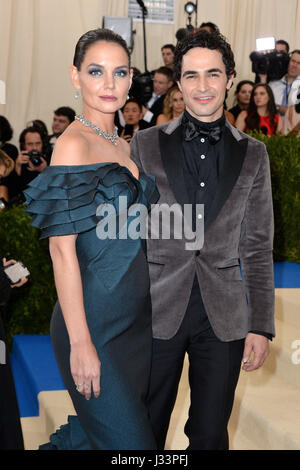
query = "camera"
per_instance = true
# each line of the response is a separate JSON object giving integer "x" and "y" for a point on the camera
{"x": 273, "y": 64}
{"x": 35, "y": 157}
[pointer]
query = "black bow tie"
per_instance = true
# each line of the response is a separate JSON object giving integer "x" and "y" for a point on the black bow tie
{"x": 191, "y": 131}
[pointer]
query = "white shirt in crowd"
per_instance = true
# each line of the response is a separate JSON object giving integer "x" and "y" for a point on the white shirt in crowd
{"x": 282, "y": 89}
{"x": 148, "y": 115}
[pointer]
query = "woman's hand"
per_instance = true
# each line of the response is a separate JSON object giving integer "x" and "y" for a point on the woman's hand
{"x": 85, "y": 368}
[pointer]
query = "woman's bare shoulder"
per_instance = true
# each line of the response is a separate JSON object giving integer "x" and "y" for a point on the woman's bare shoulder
{"x": 71, "y": 148}
{"x": 161, "y": 119}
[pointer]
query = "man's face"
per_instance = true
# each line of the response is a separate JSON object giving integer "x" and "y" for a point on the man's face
{"x": 161, "y": 83}
{"x": 33, "y": 141}
{"x": 281, "y": 48}
{"x": 203, "y": 83}
{"x": 167, "y": 56}
{"x": 59, "y": 124}
{"x": 294, "y": 66}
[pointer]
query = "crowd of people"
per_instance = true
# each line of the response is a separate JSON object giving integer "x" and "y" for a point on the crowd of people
{"x": 269, "y": 107}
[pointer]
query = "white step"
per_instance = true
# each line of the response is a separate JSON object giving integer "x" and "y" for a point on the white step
{"x": 287, "y": 306}
{"x": 267, "y": 411}
{"x": 284, "y": 358}
{"x": 55, "y": 406}
{"x": 33, "y": 432}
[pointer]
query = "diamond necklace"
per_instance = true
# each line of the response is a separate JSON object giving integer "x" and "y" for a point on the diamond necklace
{"x": 112, "y": 137}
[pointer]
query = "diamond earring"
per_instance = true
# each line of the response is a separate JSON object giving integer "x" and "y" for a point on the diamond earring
{"x": 77, "y": 94}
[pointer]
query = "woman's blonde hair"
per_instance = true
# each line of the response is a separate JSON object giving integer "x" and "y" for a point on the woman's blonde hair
{"x": 168, "y": 102}
{"x": 7, "y": 162}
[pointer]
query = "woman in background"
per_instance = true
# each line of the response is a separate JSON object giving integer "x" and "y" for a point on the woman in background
{"x": 262, "y": 114}
{"x": 132, "y": 113}
{"x": 242, "y": 94}
{"x": 173, "y": 106}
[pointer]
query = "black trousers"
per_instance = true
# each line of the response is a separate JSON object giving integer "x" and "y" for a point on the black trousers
{"x": 214, "y": 368}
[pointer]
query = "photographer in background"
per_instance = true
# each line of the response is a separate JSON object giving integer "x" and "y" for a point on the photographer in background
{"x": 6, "y": 167}
{"x": 62, "y": 118}
{"x": 285, "y": 90}
{"x": 11, "y": 437}
{"x": 30, "y": 162}
{"x": 281, "y": 47}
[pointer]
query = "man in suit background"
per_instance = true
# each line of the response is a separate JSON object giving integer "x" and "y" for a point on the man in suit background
{"x": 162, "y": 81}
{"x": 216, "y": 302}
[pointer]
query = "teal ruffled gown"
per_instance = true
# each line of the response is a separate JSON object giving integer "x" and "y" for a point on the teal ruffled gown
{"x": 64, "y": 200}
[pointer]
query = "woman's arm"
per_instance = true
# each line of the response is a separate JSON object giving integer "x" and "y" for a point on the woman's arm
{"x": 4, "y": 192}
{"x": 240, "y": 122}
{"x": 71, "y": 149}
{"x": 279, "y": 125}
{"x": 85, "y": 364}
{"x": 161, "y": 119}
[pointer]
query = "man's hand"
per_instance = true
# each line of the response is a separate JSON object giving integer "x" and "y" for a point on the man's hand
{"x": 255, "y": 352}
{"x": 262, "y": 77}
{"x": 39, "y": 168}
{"x": 22, "y": 159}
{"x": 282, "y": 110}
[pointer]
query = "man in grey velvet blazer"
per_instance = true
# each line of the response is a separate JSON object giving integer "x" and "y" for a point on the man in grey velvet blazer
{"x": 215, "y": 302}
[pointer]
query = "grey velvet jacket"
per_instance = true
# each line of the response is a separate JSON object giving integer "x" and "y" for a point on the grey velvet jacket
{"x": 235, "y": 264}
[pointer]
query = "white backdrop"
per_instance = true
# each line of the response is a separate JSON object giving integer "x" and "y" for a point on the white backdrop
{"x": 38, "y": 38}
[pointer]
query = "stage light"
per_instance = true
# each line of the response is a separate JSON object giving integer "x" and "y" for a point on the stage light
{"x": 190, "y": 7}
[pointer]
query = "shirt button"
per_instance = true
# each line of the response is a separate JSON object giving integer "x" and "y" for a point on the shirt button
{"x": 199, "y": 216}
{"x": 202, "y": 140}
{"x": 202, "y": 184}
{"x": 202, "y": 157}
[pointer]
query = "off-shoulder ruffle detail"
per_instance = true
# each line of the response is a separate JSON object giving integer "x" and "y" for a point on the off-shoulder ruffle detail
{"x": 63, "y": 200}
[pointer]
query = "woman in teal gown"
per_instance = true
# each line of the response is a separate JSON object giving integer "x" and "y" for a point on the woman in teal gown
{"x": 101, "y": 325}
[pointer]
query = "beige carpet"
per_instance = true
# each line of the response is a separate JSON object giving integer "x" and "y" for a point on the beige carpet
{"x": 266, "y": 414}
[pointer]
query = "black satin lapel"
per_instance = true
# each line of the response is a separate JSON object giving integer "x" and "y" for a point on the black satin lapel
{"x": 234, "y": 155}
{"x": 170, "y": 148}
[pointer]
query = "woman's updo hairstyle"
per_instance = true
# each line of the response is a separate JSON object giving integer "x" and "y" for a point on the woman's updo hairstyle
{"x": 96, "y": 35}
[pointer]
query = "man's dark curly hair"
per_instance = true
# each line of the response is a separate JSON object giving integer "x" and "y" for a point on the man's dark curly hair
{"x": 204, "y": 39}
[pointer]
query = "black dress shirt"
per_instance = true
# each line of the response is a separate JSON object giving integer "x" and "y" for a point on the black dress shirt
{"x": 202, "y": 163}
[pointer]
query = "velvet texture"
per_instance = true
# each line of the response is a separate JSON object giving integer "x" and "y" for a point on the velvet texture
{"x": 235, "y": 265}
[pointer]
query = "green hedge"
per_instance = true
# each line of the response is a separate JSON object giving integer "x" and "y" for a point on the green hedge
{"x": 284, "y": 154}
{"x": 30, "y": 307}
